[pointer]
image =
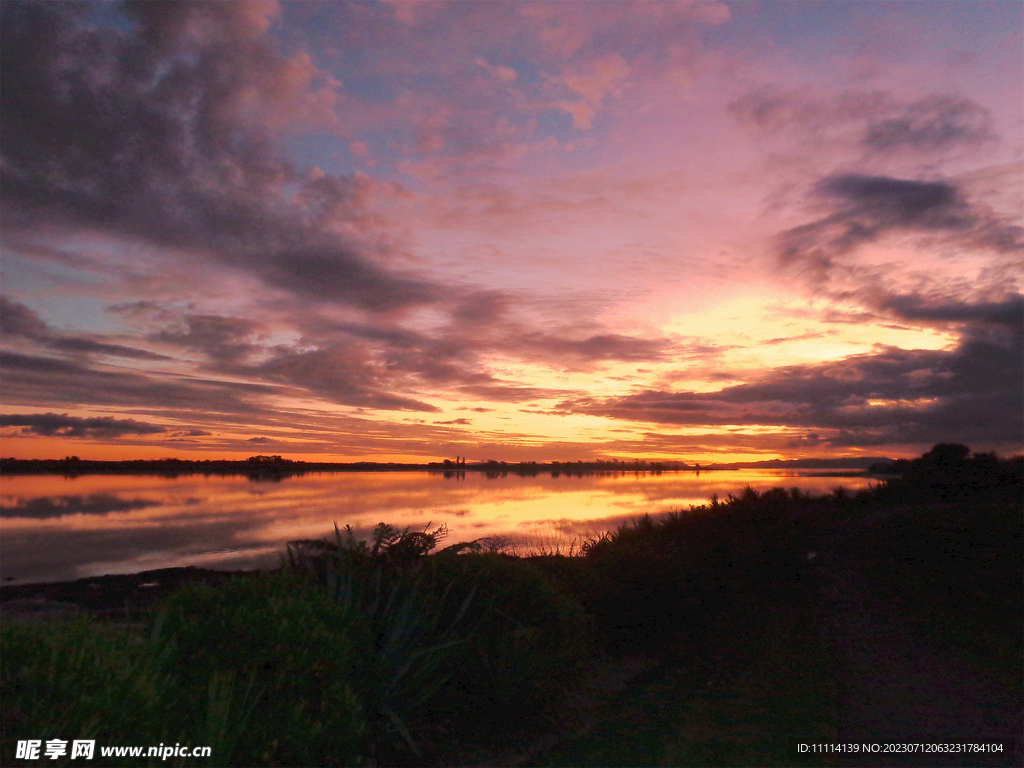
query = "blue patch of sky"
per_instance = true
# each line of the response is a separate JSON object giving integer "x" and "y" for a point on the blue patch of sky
{"x": 16, "y": 281}
{"x": 77, "y": 314}
{"x": 815, "y": 28}
{"x": 528, "y": 73}
{"x": 29, "y": 274}
{"x": 110, "y": 16}
{"x": 557, "y": 123}
{"x": 33, "y": 284}
{"x": 325, "y": 151}
{"x": 319, "y": 29}
{"x": 821, "y": 30}
{"x": 63, "y": 311}
{"x": 333, "y": 156}
{"x": 373, "y": 90}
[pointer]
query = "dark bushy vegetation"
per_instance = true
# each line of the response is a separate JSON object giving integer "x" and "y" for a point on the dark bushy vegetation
{"x": 290, "y": 657}
{"x": 353, "y": 653}
{"x": 79, "y": 680}
{"x": 460, "y": 638}
{"x": 949, "y": 472}
{"x": 379, "y": 652}
{"x": 675, "y": 574}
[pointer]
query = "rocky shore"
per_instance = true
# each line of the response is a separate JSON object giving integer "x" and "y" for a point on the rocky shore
{"x": 117, "y": 597}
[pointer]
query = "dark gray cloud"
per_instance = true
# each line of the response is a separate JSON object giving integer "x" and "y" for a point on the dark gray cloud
{"x": 865, "y": 208}
{"x": 80, "y": 344}
{"x": 54, "y": 424}
{"x": 1009, "y": 312}
{"x": 932, "y": 123}
{"x": 971, "y": 394}
{"x": 347, "y": 375}
{"x": 875, "y": 120}
{"x": 43, "y": 382}
{"x": 18, "y": 320}
{"x": 899, "y": 202}
{"x": 158, "y": 129}
{"x": 769, "y": 109}
{"x": 330, "y": 271}
{"x": 505, "y": 392}
{"x": 481, "y": 307}
{"x": 608, "y": 346}
{"x": 222, "y": 339}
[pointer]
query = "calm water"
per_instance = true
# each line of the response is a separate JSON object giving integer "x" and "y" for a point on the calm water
{"x": 56, "y": 528}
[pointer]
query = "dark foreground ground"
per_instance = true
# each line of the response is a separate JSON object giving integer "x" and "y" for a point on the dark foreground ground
{"x": 110, "y": 598}
{"x": 899, "y": 628}
{"x": 902, "y": 630}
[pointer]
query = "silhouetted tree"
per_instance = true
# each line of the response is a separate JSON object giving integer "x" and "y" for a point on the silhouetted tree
{"x": 946, "y": 455}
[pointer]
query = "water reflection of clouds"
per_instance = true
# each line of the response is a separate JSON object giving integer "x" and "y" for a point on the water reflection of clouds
{"x": 58, "y": 553}
{"x": 61, "y": 528}
{"x": 60, "y": 506}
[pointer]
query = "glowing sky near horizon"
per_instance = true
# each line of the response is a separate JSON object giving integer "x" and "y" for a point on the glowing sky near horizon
{"x": 513, "y": 230}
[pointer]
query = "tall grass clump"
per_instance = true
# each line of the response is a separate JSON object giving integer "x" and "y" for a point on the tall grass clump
{"x": 259, "y": 669}
{"x": 75, "y": 679}
{"x": 460, "y": 638}
{"x": 528, "y": 641}
{"x": 270, "y": 665}
{"x": 409, "y": 621}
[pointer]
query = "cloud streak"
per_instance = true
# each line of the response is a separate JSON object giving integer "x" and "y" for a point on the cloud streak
{"x": 52, "y": 424}
{"x": 877, "y": 121}
{"x": 889, "y": 396}
{"x": 867, "y": 208}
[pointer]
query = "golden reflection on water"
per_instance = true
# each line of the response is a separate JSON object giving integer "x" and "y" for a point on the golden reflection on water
{"x": 55, "y": 528}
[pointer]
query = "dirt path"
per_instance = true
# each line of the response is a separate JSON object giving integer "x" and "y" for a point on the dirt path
{"x": 900, "y": 684}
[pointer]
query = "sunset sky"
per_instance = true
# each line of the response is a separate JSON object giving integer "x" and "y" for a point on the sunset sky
{"x": 407, "y": 231}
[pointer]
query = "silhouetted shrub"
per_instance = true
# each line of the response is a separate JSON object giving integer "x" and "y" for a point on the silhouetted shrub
{"x": 948, "y": 473}
{"x": 528, "y": 641}
{"x": 461, "y": 637}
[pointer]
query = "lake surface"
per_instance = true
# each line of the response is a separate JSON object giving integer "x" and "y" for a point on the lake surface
{"x": 56, "y": 528}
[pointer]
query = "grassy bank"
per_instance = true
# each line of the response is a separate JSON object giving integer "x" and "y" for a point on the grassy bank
{"x": 400, "y": 650}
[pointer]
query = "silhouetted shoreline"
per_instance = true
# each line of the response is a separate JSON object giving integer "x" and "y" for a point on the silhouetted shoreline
{"x": 258, "y": 467}
{"x": 276, "y": 467}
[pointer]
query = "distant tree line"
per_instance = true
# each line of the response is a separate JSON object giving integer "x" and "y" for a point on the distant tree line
{"x": 255, "y": 467}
